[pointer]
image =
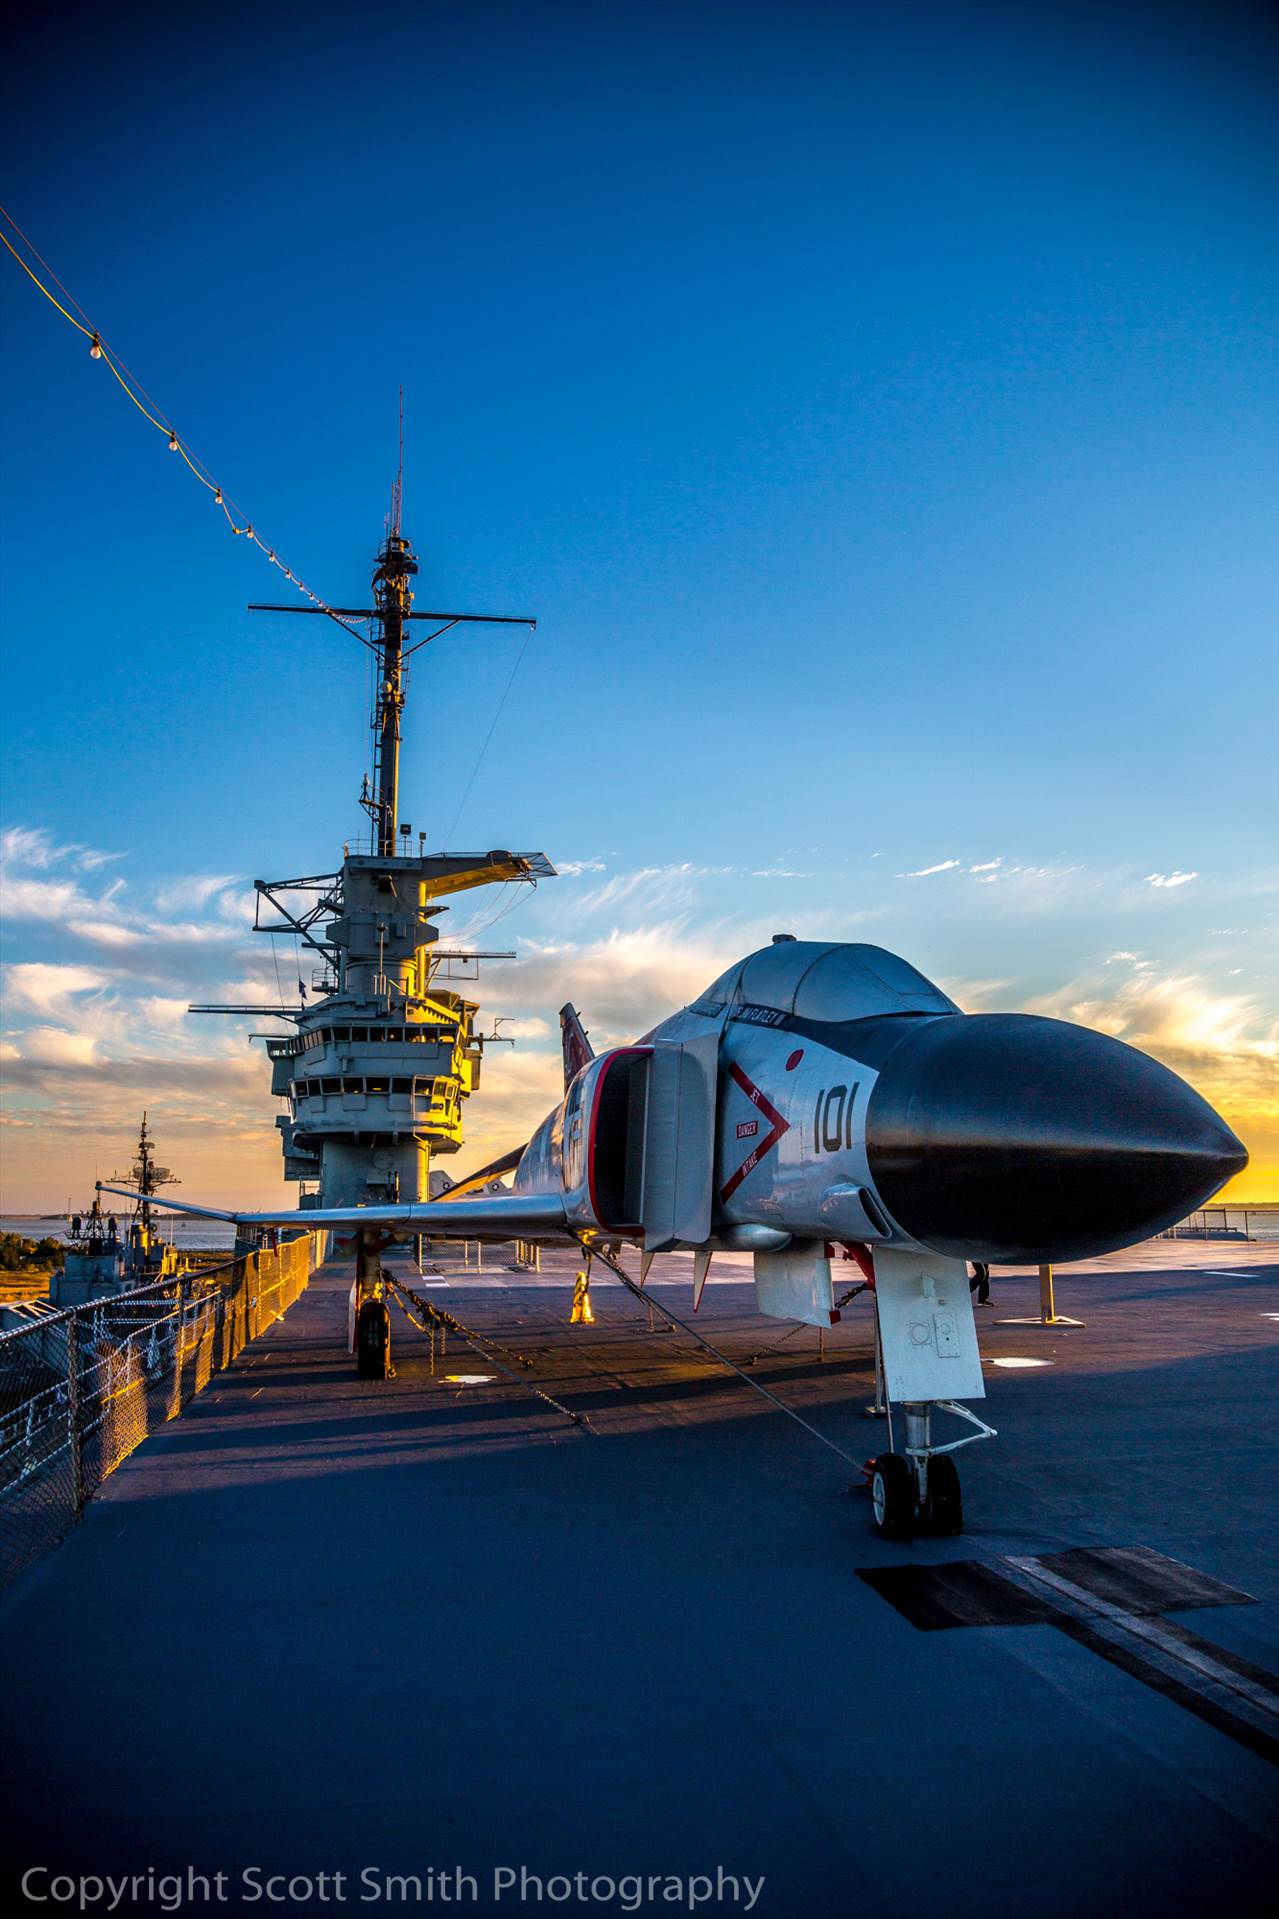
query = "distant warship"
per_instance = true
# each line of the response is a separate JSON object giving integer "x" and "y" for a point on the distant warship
{"x": 103, "y": 1256}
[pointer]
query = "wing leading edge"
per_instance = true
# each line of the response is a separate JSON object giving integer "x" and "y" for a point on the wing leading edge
{"x": 487, "y": 1216}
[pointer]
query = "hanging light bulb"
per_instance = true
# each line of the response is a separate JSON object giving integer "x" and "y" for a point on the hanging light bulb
{"x": 95, "y": 348}
{"x": 217, "y": 495}
{"x": 173, "y": 442}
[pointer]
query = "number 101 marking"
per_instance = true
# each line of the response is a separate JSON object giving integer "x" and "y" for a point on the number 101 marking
{"x": 833, "y": 1118}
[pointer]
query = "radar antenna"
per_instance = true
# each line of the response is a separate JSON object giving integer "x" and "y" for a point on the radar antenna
{"x": 388, "y": 616}
{"x": 145, "y": 1176}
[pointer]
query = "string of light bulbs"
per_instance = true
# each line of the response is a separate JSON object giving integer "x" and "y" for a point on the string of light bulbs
{"x": 101, "y": 351}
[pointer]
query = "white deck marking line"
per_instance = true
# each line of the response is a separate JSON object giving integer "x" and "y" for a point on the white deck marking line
{"x": 1150, "y": 1630}
{"x": 1215, "y": 1272}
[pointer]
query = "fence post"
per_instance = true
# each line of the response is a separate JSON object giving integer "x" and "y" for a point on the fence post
{"x": 73, "y": 1412}
{"x": 179, "y": 1341}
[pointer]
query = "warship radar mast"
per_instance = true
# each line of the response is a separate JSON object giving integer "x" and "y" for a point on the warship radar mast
{"x": 146, "y": 1177}
{"x": 384, "y": 1051}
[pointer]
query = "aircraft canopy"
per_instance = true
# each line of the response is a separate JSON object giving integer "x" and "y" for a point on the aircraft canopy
{"x": 817, "y": 981}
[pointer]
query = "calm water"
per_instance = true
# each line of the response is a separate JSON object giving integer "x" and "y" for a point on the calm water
{"x": 185, "y": 1233}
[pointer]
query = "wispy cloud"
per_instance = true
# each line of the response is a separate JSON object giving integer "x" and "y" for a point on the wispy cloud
{"x": 623, "y": 982}
{"x": 33, "y": 846}
{"x": 649, "y": 889}
{"x": 926, "y": 872}
{"x": 976, "y": 995}
{"x": 1176, "y": 878}
{"x": 40, "y": 884}
{"x": 52, "y": 991}
{"x": 196, "y": 891}
{"x": 105, "y": 933}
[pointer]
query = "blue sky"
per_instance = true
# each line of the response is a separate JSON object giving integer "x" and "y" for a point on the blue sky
{"x": 876, "y": 407}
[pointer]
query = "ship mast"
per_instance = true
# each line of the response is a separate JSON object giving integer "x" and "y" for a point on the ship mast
{"x": 384, "y": 1055}
{"x": 146, "y": 1178}
{"x": 388, "y": 618}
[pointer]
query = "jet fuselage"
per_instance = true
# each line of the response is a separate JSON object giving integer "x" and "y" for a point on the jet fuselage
{"x": 854, "y": 1102}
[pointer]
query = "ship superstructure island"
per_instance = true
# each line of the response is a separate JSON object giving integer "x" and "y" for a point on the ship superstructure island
{"x": 384, "y": 1049}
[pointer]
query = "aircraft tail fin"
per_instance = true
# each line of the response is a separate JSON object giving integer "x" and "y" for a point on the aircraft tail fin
{"x": 578, "y": 1051}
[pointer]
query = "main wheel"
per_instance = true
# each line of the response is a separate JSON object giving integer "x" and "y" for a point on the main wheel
{"x": 944, "y": 1513}
{"x": 373, "y": 1340}
{"x": 892, "y": 1493}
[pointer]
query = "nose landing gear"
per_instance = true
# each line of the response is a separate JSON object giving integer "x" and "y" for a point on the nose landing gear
{"x": 926, "y": 1347}
{"x": 918, "y": 1490}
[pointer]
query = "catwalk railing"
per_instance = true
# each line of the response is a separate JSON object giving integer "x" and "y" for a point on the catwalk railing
{"x": 1228, "y": 1222}
{"x": 80, "y": 1389}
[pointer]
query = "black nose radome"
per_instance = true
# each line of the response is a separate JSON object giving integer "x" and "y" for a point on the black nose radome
{"x": 1005, "y": 1137}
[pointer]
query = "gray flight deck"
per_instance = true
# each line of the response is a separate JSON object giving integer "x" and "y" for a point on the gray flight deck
{"x": 320, "y": 1624}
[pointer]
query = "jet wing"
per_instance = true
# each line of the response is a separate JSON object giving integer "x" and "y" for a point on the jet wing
{"x": 487, "y": 1216}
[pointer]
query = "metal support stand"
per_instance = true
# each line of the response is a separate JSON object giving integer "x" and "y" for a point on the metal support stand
{"x": 919, "y": 1445}
{"x": 1047, "y": 1314}
{"x": 880, "y": 1408}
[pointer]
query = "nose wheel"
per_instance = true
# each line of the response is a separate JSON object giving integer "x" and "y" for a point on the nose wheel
{"x": 892, "y": 1493}
{"x": 944, "y": 1507}
{"x": 900, "y": 1510}
{"x": 918, "y": 1490}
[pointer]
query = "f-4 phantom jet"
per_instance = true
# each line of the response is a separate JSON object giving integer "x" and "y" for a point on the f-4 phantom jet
{"x": 821, "y": 1100}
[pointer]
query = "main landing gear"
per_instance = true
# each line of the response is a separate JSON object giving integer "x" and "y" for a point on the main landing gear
{"x": 369, "y": 1326}
{"x": 373, "y": 1340}
{"x": 918, "y": 1490}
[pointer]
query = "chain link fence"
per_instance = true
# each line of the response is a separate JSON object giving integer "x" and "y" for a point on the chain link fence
{"x": 80, "y": 1389}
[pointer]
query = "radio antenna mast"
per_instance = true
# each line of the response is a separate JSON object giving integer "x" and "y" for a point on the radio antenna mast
{"x": 397, "y": 491}
{"x": 393, "y": 608}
